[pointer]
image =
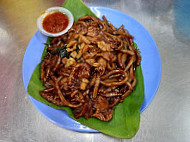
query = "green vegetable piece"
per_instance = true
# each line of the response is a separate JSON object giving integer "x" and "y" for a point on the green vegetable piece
{"x": 135, "y": 45}
{"x": 62, "y": 51}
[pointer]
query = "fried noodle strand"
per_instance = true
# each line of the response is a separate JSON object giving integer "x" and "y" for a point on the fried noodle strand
{"x": 91, "y": 68}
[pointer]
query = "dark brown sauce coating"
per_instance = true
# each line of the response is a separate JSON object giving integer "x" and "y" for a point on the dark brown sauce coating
{"x": 98, "y": 73}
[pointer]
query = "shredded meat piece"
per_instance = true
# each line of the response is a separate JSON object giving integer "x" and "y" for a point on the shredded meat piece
{"x": 94, "y": 72}
{"x": 93, "y": 31}
{"x": 101, "y": 66}
{"x": 101, "y": 104}
{"x": 104, "y": 116}
{"x": 52, "y": 98}
{"x": 80, "y": 71}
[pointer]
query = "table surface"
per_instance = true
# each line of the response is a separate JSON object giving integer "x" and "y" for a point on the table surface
{"x": 167, "y": 119}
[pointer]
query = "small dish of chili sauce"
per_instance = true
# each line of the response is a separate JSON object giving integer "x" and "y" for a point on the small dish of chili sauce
{"x": 55, "y": 21}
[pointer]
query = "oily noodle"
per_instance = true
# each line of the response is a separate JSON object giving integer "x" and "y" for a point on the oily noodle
{"x": 98, "y": 71}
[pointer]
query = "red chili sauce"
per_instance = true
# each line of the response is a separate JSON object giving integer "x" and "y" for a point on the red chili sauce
{"x": 55, "y": 22}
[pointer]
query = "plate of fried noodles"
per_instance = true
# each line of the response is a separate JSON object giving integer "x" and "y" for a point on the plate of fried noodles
{"x": 91, "y": 68}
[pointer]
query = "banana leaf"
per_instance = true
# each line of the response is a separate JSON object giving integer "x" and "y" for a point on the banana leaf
{"x": 126, "y": 117}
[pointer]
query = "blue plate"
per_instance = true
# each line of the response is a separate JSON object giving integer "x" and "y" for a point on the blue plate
{"x": 151, "y": 65}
